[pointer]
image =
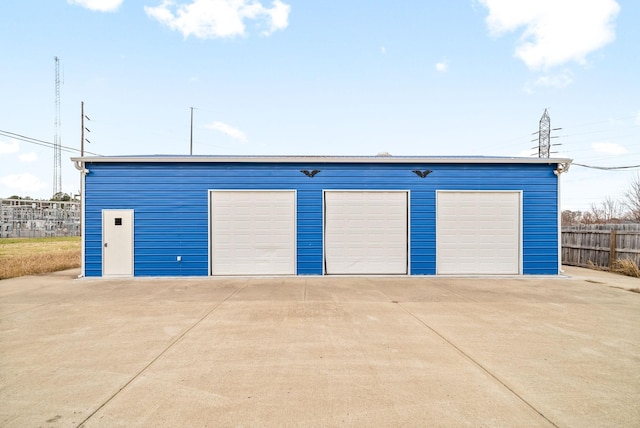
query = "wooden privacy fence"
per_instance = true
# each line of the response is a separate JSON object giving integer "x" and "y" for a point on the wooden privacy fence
{"x": 600, "y": 244}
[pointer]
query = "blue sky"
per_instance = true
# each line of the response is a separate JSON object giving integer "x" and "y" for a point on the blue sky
{"x": 468, "y": 77}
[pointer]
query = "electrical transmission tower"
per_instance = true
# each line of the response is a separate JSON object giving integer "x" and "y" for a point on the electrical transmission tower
{"x": 544, "y": 136}
{"x": 57, "y": 139}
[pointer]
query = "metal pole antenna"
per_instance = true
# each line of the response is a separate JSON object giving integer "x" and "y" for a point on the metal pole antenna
{"x": 57, "y": 138}
{"x": 191, "y": 137}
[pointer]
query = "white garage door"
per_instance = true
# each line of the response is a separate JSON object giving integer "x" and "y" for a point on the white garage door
{"x": 365, "y": 232}
{"x": 478, "y": 232}
{"x": 253, "y": 232}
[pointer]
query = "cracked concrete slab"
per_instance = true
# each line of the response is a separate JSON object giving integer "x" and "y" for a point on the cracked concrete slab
{"x": 319, "y": 351}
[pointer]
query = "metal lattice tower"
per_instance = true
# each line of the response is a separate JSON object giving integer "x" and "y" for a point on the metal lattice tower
{"x": 544, "y": 136}
{"x": 57, "y": 139}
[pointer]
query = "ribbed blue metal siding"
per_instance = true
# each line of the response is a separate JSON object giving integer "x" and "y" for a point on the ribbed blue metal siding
{"x": 539, "y": 205}
{"x": 170, "y": 203}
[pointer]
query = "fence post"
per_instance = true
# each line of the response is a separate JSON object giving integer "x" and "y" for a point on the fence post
{"x": 612, "y": 248}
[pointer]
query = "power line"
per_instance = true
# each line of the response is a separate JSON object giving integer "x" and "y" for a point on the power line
{"x": 606, "y": 168}
{"x": 41, "y": 142}
{"x": 599, "y": 122}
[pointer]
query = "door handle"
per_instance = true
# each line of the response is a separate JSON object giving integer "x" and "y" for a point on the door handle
{"x": 105, "y": 245}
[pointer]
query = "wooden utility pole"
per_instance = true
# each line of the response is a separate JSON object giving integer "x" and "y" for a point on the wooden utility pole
{"x": 81, "y": 128}
{"x": 191, "y": 137}
{"x": 81, "y": 155}
{"x": 82, "y": 140}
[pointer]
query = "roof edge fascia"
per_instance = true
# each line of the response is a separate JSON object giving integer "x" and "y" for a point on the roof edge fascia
{"x": 320, "y": 159}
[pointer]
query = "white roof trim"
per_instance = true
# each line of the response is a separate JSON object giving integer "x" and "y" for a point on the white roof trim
{"x": 319, "y": 159}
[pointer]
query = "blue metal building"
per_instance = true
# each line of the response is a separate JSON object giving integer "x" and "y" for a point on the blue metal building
{"x": 312, "y": 215}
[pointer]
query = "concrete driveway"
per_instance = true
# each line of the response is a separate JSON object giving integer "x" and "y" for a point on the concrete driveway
{"x": 320, "y": 351}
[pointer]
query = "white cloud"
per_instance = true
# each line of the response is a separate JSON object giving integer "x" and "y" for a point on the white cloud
{"x": 24, "y": 182}
{"x": 555, "y": 32}
{"x": 98, "y": 5}
{"x": 220, "y": 18}
{"x": 11, "y": 147}
{"x": 383, "y": 50}
{"x": 279, "y": 14}
{"x": 28, "y": 157}
{"x": 442, "y": 66}
{"x": 609, "y": 148}
{"x": 232, "y": 132}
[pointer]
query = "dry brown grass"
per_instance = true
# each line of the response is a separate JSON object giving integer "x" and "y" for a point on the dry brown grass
{"x": 592, "y": 265}
{"x": 626, "y": 267}
{"x": 31, "y": 256}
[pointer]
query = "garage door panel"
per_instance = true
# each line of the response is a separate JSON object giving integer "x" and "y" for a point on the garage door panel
{"x": 478, "y": 232}
{"x": 253, "y": 232}
{"x": 366, "y": 232}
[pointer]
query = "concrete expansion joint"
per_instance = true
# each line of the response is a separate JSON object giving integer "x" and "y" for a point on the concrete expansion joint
{"x": 473, "y": 361}
{"x": 164, "y": 351}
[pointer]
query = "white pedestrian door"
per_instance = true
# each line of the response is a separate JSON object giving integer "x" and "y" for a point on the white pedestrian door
{"x": 117, "y": 242}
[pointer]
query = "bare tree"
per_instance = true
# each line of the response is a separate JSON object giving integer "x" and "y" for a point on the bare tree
{"x": 596, "y": 215}
{"x": 607, "y": 211}
{"x": 612, "y": 210}
{"x": 632, "y": 199}
{"x": 588, "y": 217}
{"x": 571, "y": 218}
